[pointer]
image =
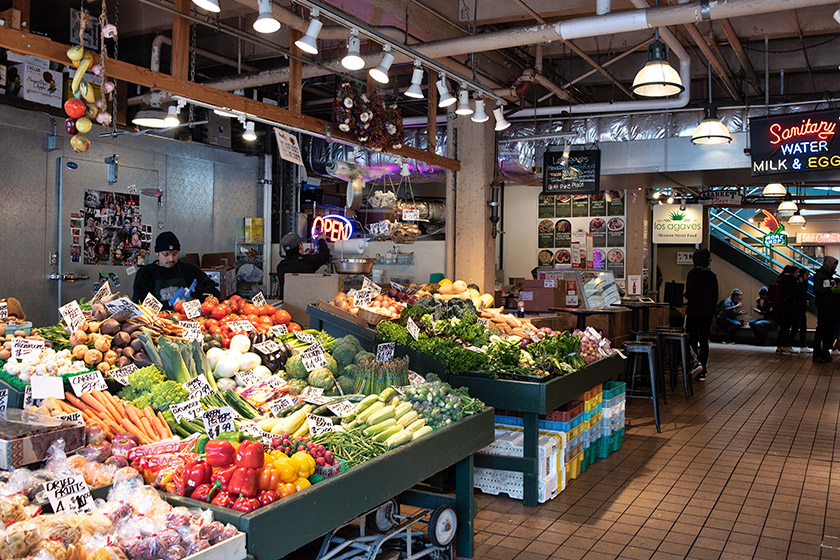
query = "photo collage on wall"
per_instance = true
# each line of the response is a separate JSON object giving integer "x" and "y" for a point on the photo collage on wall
{"x": 113, "y": 229}
{"x": 564, "y": 218}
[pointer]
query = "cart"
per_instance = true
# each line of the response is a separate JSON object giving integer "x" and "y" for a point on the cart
{"x": 387, "y": 535}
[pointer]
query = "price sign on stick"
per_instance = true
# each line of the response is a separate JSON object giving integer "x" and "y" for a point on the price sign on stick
{"x": 319, "y": 424}
{"x": 280, "y": 404}
{"x": 192, "y": 330}
{"x": 241, "y": 326}
{"x": 342, "y": 409}
{"x": 4, "y": 310}
{"x": 4, "y": 401}
{"x": 416, "y": 378}
{"x": 218, "y": 420}
{"x": 151, "y": 302}
{"x": 276, "y": 383}
{"x": 398, "y": 287}
{"x": 278, "y": 330}
{"x": 121, "y": 375}
{"x": 123, "y": 304}
{"x": 87, "y": 382}
{"x": 258, "y": 299}
{"x": 361, "y": 298}
{"x": 413, "y": 329}
{"x": 313, "y": 357}
{"x": 305, "y": 337}
{"x": 188, "y": 410}
{"x": 484, "y": 323}
{"x": 103, "y": 292}
{"x": 192, "y": 308}
{"x": 371, "y": 286}
{"x": 411, "y": 214}
{"x": 385, "y": 351}
{"x": 72, "y": 315}
{"x": 314, "y": 395}
{"x": 75, "y": 417}
{"x": 69, "y": 495}
{"x": 267, "y": 347}
{"x": 198, "y": 387}
{"x": 23, "y": 346}
{"x": 44, "y": 386}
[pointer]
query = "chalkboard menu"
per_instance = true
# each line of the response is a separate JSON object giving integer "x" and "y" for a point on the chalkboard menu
{"x": 795, "y": 143}
{"x": 581, "y": 175}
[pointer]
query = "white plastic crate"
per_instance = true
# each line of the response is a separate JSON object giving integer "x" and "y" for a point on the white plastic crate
{"x": 511, "y": 444}
{"x": 613, "y": 410}
{"x": 494, "y": 483}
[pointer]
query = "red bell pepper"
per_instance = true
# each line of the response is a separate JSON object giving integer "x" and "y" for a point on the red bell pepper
{"x": 244, "y": 481}
{"x": 196, "y": 473}
{"x": 203, "y": 493}
{"x": 268, "y": 497}
{"x": 246, "y": 505}
{"x": 223, "y": 499}
{"x": 250, "y": 455}
{"x": 219, "y": 453}
{"x": 221, "y": 477}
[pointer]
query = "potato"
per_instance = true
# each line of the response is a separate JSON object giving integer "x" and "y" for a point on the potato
{"x": 103, "y": 344}
{"x": 104, "y": 367}
{"x": 2, "y": 329}
{"x": 79, "y": 351}
{"x": 93, "y": 357}
{"x": 110, "y": 357}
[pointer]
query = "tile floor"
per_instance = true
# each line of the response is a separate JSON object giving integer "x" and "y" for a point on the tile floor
{"x": 745, "y": 469}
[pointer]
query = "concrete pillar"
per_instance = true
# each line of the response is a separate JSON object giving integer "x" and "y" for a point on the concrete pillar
{"x": 637, "y": 231}
{"x": 475, "y": 249}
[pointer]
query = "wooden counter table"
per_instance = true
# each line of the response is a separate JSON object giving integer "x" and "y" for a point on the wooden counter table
{"x": 615, "y": 323}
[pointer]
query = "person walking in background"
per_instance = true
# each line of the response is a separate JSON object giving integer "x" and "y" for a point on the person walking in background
{"x": 786, "y": 301}
{"x": 802, "y": 324}
{"x": 762, "y": 327}
{"x": 701, "y": 294}
{"x": 727, "y": 317}
{"x": 826, "y": 308}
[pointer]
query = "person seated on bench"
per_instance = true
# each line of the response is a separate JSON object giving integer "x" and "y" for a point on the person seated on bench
{"x": 728, "y": 311}
{"x": 762, "y": 327}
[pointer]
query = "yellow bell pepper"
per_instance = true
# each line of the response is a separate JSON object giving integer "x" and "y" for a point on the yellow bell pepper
{"x": 305, "y": 464}
{"x": 302, "y": 483}
{"x": 287, "y": 470}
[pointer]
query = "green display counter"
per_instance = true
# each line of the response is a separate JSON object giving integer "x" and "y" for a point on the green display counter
{"x": 533, "y": 399}
{"x": 327, "y": 319}
{"x": 283, "y": 527}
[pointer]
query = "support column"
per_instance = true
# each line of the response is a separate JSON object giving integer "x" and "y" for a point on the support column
{"x": 475, "y": 248}
{"x": 295, "y": 72}
{"x": 637, "y": 224}
{"x": 181, "y": 42}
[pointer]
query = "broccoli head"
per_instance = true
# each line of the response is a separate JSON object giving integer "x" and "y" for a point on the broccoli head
{"x": 166, "y": 393}
{"x": 345, "y": 349}
{"x": 141, "y": 382}
{"x": 295, "y": 368}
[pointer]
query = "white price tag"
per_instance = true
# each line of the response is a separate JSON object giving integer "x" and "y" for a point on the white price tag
{"x": 527, "y": 296}
{"x": 267, "y": 347}
{"x": 192, "y": 308}
{"x": 398, "y": 287}
{"x": 4, "y": 310}
{"x": 27, "y": 396}
{"x": 280, "y": 404}
{"x": 549, "y": 283}
{"x": 531, "y": 334}
{"x": 249, "y": 427}
{"x": 411, "y": 214}
{"x": 258, "y": 299}
{"x": 313, "y": 357}
{"x": 241, "y": 326}
{"x": 276, "y": 383}
{"x": 400, "y": 390}
{"x": 121, "y": 375}
{"x": 476, "y": 349}
{"x": 319, "y": 424}
{"x": 68, "y": 495}
{"x": 482, "y": 306}
{"x": 278, "y": 330}
{"x": 44, "y": 386}
{"x": 72, "y": 315}
{"x": 192, "y": 330}
{"x": 23, "y": 346}
{"x": 413, "y": 329}
{"x": 4, "y": 400}
{"x": 314, "y": 395}
{"x": 248, "y": 378}
{"x": 361, "y": 298}
{"x": 75, "y": 417}
{"x": 218, "y": 420}
{"x": 371, "y": 286}
{"x": 123, "y": 304}
{"x": 131, "y": 270}
{"x": 87, "y": 382}
{"x": 416, "y": 378}
{"x": 380, "y": 228}
{"x": 620, "y": 353}
{"x": 103, "y": 292}
{"x": 151, "y": 302}
{"x": 305, "y": 337}
{"x": 188, "y": 410}
{"x": 385, "y": 351}
{"x": 198, "y": 387}
{"x": 342, "y": 409}
{"x": 484, "y": 323}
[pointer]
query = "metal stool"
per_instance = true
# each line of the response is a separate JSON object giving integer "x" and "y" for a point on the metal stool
{"x": 671, "y": 342}
{"x": 636, "y": 351}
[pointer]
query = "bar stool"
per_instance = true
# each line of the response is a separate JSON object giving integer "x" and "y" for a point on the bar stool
{"x": 674, "y": 342}
{"x": 639, "y": 351}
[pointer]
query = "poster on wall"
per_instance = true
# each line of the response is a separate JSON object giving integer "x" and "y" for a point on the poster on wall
{"x": 674, "y": 226}
{"x": 114, "y": 233}
{"x": 574, "y": 216}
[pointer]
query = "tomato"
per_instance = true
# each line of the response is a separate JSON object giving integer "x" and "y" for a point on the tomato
{"x": 282, "y": 317}
{"x": 270, "y": 309}
{"x": 178, "y": 307}
{"x": 214, "y": 329}
{"x": 249, "y": 309}
{"x": 178, "y": 317}
{"x": 211, "y": 322}
{"x": 236, "y": 306}
{"x": 219, "y": 312}
{"x": 75, "y": 108}
{"x": 226, "y": 341}
{"x": 236, "y": 297}
{"x": 265, "y": 320}
{"x": 253, "y": 317}
{"x": 212, "y": 299}
{"x": 292, "y": 327}
{"x": 207, "y": 308}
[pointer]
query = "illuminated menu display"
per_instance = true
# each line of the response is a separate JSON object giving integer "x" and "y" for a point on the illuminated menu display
{"x": 795, "y": 143}
{"x": 818, "y": 238}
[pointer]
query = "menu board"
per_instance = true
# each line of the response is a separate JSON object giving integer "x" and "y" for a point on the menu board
{"x": 601, "y": 214}
{"x": 581, "y": 174}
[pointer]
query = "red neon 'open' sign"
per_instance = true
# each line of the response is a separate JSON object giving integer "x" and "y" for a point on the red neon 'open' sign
{"x": 332, "y": 227}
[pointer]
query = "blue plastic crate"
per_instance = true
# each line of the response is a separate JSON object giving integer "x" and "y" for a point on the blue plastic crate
{"x": 612, "y": 389}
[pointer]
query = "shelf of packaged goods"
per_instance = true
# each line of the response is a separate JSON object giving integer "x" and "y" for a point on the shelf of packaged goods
{"x": 284, "y": 526}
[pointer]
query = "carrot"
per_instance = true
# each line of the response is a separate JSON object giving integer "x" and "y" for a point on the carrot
{"x": 119, "y": 404}
{"x": 150, "y": 431}
{"x": 66, "y": 408}
{"x": 109, "y": 406}
{"x": 132, "y": 429}
{"x": 153, "y": 421}
{"x": 134, "y": 417}
{"x": 91, "y": 401}
{"x": 165, "y": 424}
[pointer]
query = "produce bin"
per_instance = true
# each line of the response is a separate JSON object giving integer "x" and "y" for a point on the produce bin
{"x": 312, "y": 513}
{"x": 325, "y": 317}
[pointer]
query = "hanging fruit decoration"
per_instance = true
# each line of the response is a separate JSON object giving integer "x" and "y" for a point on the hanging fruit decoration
{"x": 84, "y": 108}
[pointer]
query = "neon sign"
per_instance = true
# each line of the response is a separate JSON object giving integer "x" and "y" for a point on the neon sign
{"x": 333, "y": 227}
{"x": 777, "y": 235}
{"x": 822, "y": 129}
{"x": 795, "y": 143}
{"x": 775, "y": 239}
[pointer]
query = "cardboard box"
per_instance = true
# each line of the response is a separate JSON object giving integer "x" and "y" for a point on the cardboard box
{"x": 35, "y": 83}
{"x": 218, "y": 260}
{"x": 251, "y": 230}
{"x": 27, "y": 449}
{"x": 300, "y": 290}
{"x": 338, "y": 312}
{"x": 192, "y": 258}
{"x": 225, "y": 280}
{"x": 537, "y": 297}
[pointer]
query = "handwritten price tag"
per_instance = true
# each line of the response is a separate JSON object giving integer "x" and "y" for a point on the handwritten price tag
{"x": 411, "y": 214}
{"x": 123, "y": 304}
{"x": 380, "y": 228}
{"x": 484, "y": 323}
{"x": 413, "y": 329}
{"x": 313, "y": 357}
{"x": 23, "y": 346}
{"x": 267, "y": 347}
{"x": 416, "y": 378}
{"x": 69, "y": 495}
{"x": 75, "y": 417}
{"x": 198, "y": 387}
{"x": 87, "y": 382}
{"x": 4, "y": 401}
{"x": 151, "y": 302}
{"x": 385, "y": 351}
{"x": 276, "y": 383}
{"x": 27, "y": 396}
{"x": 248, "y": 378}
{"x": 217, "y": 421}
{"x": 121, "y": 375}
{"x": 188, "y": 410}
{"x": 361, "y": 298}
{"x": 278, "y": 330}
{"x": 342, "y": 409}
{"x": 398, "y": 287}
{"x": 305, "y": 337}
{"x": 4, "y": 310}
{"x": 192, "y": 308}
{"x": 531, "y": 334}
{"x": 72, "y": 315}
{"x": 103, "y": 292}
{"x": 241, "y": 326}
{"x": 280, "y": 404}
{"x": 314, "y": 395}
{"x": 319, "y": 424}
{"x": 258, "y": 299}
{"x": 372, "y": 287}
{"x": 549, "y": 283}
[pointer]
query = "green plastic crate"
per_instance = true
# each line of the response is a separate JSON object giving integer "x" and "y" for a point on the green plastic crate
{"x": 609, "y": 444}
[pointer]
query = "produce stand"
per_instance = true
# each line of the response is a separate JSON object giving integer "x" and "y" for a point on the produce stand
{"x": 328, "y": 318}
{"x": 533, "y": 399}
{"x": 281, "y": 528}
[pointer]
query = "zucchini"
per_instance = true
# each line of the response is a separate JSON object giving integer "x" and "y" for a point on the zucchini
{"x": 406, "y": 419}
{"x": 380, "y": 415}
{"x": 362, "y": 417}
{"x": 384, "y": 436}
{"x": 422, "y": 432}
{"x": 366, "y": 402}
{"x": 417, "y": 424}
{"x": 286, "y": 411}
{"x": 322, "y": 411}
{"x": 379, "y": 427}
{"x": 400, "y": 438}
{"x": 387, "y": 395}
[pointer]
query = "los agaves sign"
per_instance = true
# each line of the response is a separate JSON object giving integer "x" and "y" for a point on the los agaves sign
{"x": 796, "y": 143}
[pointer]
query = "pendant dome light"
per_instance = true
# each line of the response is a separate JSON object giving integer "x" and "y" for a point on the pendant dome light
{"x": 787, "y": 207}
{"x": 380, "y": 73}
{"x": 774, "y": 190}
{"x": 797, "y": 219}
{"x": 353, "y": 59}
{"x": 711, "y": 131}
{"x": 414, "y": 91}
{"x": 445, "y": 98}
{"x": 309, "y": 42}
{"x": 265, "y": 21}
{"x": 657, "y": 78}
{"x": 464, "y": 102}
{"x": 209, "y": 5}
{"x": 480, "y": 116}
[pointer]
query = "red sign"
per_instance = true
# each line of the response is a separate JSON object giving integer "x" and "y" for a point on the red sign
{"x": 821, "y": 129}
{"x": 333, "y": 227}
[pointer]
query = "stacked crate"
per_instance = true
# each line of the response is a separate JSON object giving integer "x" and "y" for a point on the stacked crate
{"x": 612, "y": 423}
{"x": 592, "y": 403}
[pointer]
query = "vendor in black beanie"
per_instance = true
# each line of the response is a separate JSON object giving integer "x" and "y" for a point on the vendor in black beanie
{"x": 166, "y": 275}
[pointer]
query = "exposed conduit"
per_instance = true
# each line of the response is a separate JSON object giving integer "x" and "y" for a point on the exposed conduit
{"x": 160, "y": 40}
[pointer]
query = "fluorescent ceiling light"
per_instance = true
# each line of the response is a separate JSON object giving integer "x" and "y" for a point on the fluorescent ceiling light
{"x": 657, "y": 78}
{"x": 209, "y": 5}
{"x": 309, "y": 42}
{"x": 265, "y": 21}
{"x": 480, "y": 116}
{"x": 151, "y": 118}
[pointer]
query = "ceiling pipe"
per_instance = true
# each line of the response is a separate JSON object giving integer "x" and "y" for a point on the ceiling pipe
{"x": 697, "y": 37}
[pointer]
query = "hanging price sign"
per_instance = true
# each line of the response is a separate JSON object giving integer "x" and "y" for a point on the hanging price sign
{"x": 411, "y": 214}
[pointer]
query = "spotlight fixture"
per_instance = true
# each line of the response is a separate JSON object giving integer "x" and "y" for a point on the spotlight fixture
{"x": 380, "y": 73}
{"x": 414, "y": 90}
{"x": 249, "y": 135}
{"x": 265, "y": 21}
{"x": 657, "y": 78}
{"x": 209, "y": 5}
{"x": 150, "y": 118}
{"x": 797, "y": 219}
{"x": 445, "y": 99}
{"x": 682, "y": 204}
{"x": 774, "y": 190}
{"x": 567, "y": 151}
{"x": 172, "y": 119}
{"x": 309, "y": 42}
{"x": 501, "y": 122}
{"x": 353, "y": 59}
{"x": 670, "y": 197}
{"x": 787, "y": 207}
{"x": 464, "y": 102}
{"x": 479, "y": 116}
{"x": 656, "y": 194}
{"x": 711, "y": 131}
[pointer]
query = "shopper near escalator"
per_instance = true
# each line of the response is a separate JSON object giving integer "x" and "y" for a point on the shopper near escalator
{"x": 802, "y": 324}
{"x": 701, "y": 294}
{"x": 728, "y": 312}
{"x": 787, "y": 301}
{"x": 826, "y": 300}
{"x": 762, "y": 327}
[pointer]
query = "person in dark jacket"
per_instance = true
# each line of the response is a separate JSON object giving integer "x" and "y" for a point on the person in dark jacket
{"x": 788, "y": 307}
{"x": 762, "y": 327}
{"x": 728, "y": 312}
{"x": 166, "y": 275}
{"x": 701, "y": 294}
{"x": 297, "y": 261}
{"x": 803, "y": 274}
{"x": 826, "y": 310}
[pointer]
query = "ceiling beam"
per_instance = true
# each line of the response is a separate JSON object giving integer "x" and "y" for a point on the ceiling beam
{"x": 738, "y": 48}
{"x": 181, "y": 41}
{"x": 36, "y": 45}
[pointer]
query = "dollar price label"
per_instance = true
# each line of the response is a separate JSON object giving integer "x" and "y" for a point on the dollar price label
{"x": 241, "y": 326}
{"x": 69, "y": 495}
{"x": 87, "y": 382}
{"x": 258, "y": 299}
{"x": 188, "y": 410}
{"x": 151, "y": 302}
{"x": 278, "y": 330}
{"x": 319, "y": 424}
{"x": 198, "y": 387}
{"x": 385, "y": 351}
{"x": 413, "y": 329}
{"x": 218, "y": 421}
{"x": 72, "y": 315}
{"x": 192, "y": 308}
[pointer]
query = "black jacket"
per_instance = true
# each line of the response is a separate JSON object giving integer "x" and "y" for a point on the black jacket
{"x": 790, "y": 294}
{"x": 824, "y": 281}
{"x": 701, "y": 293}
{"x": 301, "y": 264}
{"x": 163, "y": 282}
